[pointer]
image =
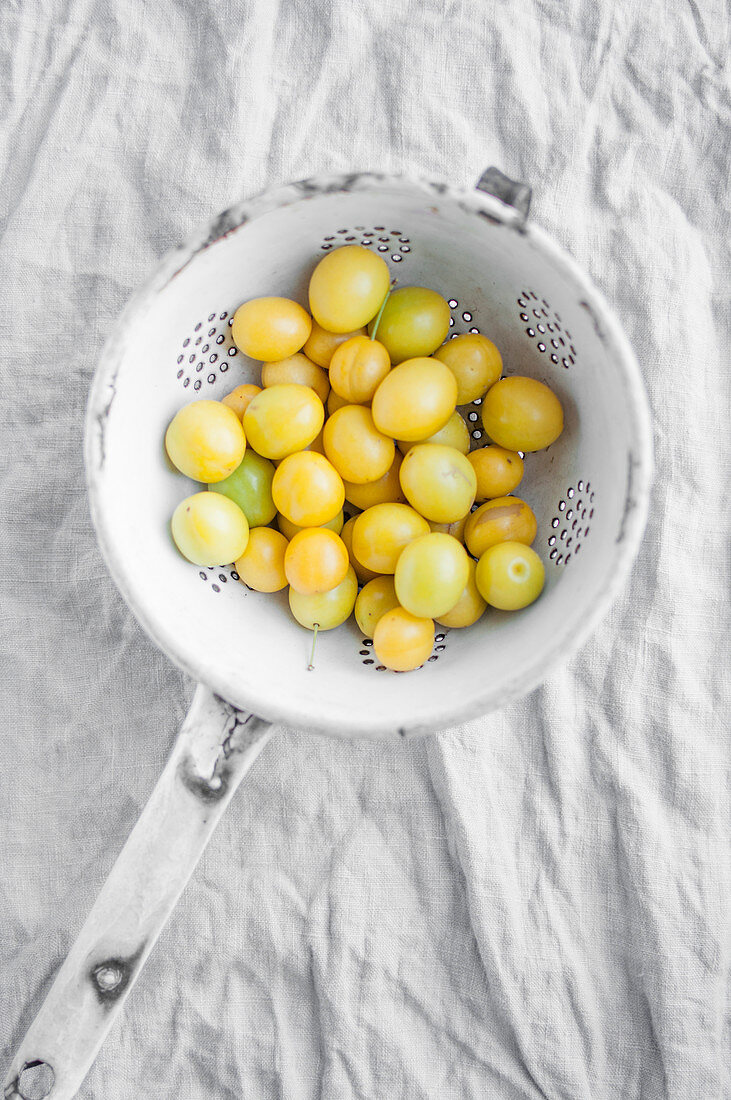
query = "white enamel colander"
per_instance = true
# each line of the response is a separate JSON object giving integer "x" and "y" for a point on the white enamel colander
{"x": 502, "y": 276}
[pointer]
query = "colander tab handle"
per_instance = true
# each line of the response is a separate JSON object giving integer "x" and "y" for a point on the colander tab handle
{"x": 509, "y": 192}
{"x": 216, "y": 746}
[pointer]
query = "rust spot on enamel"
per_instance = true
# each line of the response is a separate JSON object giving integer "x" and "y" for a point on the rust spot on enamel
{"x": 111, "y": 977}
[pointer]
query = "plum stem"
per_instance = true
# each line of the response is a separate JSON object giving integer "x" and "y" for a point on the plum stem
{"x": 380, "y": 312}
{"x": 311, "y": 665}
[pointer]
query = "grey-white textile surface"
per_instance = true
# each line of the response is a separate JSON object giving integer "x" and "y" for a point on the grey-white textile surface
{"x": 532, "y": 905}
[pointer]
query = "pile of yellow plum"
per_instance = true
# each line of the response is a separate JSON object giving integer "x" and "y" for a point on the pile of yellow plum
{"x": 358, "y": 404}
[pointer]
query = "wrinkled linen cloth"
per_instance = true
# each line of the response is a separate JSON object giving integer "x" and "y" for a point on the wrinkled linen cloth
{"x": 535, "y": 904}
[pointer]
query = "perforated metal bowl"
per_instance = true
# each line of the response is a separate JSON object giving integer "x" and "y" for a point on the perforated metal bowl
{"x": 502, "y": 277}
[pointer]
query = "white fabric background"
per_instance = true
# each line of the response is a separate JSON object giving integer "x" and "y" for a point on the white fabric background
{"x": 533, "y": 905}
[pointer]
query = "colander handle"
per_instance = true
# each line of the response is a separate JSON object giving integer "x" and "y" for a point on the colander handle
{"x": 509, "y": 192}
{"x": 216, "y": 746}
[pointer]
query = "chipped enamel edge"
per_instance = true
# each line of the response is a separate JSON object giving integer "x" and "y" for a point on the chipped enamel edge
{"x": 639, "y": 461}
